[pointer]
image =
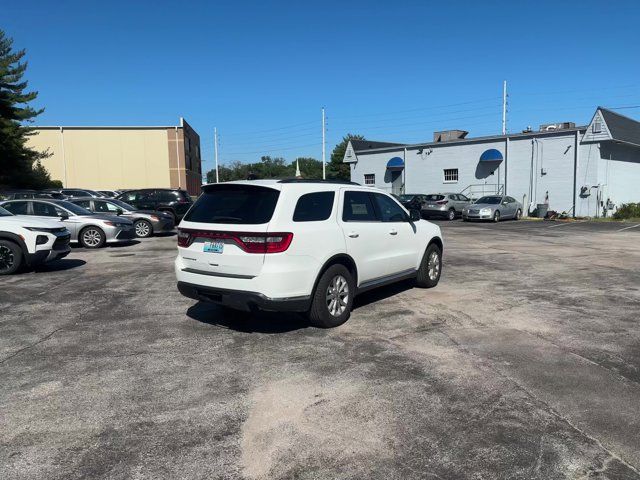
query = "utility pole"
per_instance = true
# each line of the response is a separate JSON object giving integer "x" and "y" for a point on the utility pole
{"x": 215, "y": 150}
{"x": 504, "y": 108}
{"x": 324, "y": 173}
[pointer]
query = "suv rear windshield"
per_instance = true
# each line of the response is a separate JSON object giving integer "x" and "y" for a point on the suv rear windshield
{"x": 230, "y": 204}
{"x": 435, "y": 198}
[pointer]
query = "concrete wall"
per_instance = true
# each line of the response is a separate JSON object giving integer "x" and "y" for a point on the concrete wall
{"x": 117, "y": 158}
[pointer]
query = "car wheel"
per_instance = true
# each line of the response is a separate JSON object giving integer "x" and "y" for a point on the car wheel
{"x": 333, "y": 298}
{"x": 430, "y": 267}
{"x": 92, "y": 237}
{"x": 451, "y": 214}
{"x": 10, "y": 257}
{"x": 143, "y": 228}
{"x": 518, "y": 215}
{"x": 496, "y": 216}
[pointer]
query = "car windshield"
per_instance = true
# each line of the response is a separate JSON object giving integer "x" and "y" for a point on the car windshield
{"x": 73, "y": 208}
{"x": 122, "y": 205}
{"x": 5, "y": 213}
{"x": 492, "y": 200}
{"x": 435, "y": 197}
{"x": 243, "y": 204}
{"x": 407, "y": 197}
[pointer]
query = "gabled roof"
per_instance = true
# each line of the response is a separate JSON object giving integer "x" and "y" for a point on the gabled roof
{"x": 369, "y": 144}
{"x": 621, "y": 128}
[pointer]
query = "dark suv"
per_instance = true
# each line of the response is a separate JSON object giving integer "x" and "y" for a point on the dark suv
{"x": 172, "y": 200}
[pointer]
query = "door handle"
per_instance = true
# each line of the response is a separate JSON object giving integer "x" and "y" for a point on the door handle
{"x": 353, "y": 235}
{"x": 393, "y": 231}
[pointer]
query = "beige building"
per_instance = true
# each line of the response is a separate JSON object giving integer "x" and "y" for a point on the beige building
{"x": 110, "y": 158}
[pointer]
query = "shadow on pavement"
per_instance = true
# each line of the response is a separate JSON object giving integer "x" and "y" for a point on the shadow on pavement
{"x": 165, "y": 234}
{"x": 59, "y": 265}
{"x": 382, "y": 293}
{"x": 248, "y": 322}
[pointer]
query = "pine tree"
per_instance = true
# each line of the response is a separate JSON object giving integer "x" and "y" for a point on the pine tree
{"x": 19, "y": 165}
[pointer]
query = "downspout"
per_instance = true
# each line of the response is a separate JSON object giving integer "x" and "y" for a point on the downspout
{"x": 64, "y": 157}
{"x": 575, "y": 173}
{"x": 178, "y": 159}
{"x": 506, "y": 157}
{"x": 404, "y": 170}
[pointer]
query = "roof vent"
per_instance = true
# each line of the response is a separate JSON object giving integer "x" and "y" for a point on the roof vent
{"x": 449, "y": 135}
{"x": 552, "y": 127}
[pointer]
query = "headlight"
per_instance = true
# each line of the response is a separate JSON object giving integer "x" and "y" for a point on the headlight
{"x": 485, "y": 211}
{"x": 46, "y": 230}
{"x": 114, "y": 224}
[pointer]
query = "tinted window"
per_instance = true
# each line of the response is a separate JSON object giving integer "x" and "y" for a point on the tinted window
{"x": 17, "y": 208}
{"x": 435, "y": 198}
{"x": 229, "y": 204}
{"x": 73, "y": 208}
{"x": 44, "y": 209}
{"x": 167, "y": 196}
{"x": 493, "y": 200}
{"x": 511, "y": 199}
{"x": 84, "y": 204}
{"x": 389, "y": 210}
{"x": 5, "y": 213}
{"x": 314, "y": 207}
{"x": 358, "y": 208}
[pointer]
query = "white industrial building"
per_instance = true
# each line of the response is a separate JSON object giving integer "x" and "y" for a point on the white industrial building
{"x": 575, "y": 169}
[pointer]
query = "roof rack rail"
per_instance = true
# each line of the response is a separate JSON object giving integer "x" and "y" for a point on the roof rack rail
{"x": 311, "y": 180}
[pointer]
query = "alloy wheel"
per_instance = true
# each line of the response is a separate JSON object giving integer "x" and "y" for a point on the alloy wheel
{"x": 433, "y": 265}
{"x": 91, "y": 237}
{"x": 142, "y": 229}
{"x": 452, "y": 214}
{"x": 337, "y": 295}
{"x": 7, "y": 259}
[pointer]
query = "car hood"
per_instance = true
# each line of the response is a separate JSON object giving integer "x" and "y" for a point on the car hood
{"x": 483, "y": 205}
{"x": 29, "y": 221}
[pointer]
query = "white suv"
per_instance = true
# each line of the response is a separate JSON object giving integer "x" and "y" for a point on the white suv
{"x": 30, "y": 241}
{"x": 299, "y": 245}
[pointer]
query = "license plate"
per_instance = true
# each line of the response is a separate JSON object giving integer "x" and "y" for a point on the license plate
{"x": 432, "y": 206}
{"x": 213, "y": 247}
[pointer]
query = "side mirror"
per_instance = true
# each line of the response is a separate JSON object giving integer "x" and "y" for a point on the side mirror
{"x": 119, "y": 211}
{"x": 414, "y": 215}
{"x": 63, "y": 217}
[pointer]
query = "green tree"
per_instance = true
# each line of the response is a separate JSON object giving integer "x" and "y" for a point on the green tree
{"x": 19, "y": 165}
{"x": 336, "y": 168}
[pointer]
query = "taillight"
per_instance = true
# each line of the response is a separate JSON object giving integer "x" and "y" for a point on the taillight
{"x": 442, "y": 202}
{"x": 250, "y": 242}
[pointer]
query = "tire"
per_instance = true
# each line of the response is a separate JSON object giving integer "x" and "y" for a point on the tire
{"x": 10, "y": 257}
{"x": 518, "y": 215}
{"x": 430, "y": 267}
{"x": 325, "y": 295}
{"x": 92, "y": 237}
{"x": 451, "y": 215}
{"x": 496, "y": 216}
{"x": 143, "y": 228}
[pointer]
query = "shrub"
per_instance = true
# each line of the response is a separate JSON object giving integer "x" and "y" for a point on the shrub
{"x": 627, "y": 210}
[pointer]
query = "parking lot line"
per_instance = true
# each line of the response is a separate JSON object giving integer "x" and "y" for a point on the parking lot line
{"x": 567, "y": 223}
{"x": 628, "y": 228}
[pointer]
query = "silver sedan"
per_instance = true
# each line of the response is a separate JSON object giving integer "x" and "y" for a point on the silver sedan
{"x": 494, "y": 208}
{"x": 145, "y": 222}
{"x": 86, "y": 228}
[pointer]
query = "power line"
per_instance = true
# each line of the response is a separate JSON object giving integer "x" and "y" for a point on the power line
{"x": 274, "y": 150}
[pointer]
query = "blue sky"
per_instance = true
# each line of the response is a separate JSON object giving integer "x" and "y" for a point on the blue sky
{"x": 261, "y": 71}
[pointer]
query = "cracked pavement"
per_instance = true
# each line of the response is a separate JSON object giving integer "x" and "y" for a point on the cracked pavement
{"x": 524, "y": 363}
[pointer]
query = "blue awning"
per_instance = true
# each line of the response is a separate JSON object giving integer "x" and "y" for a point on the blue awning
{"x": 396, "y": 163}
{"x": 491, "y": 155}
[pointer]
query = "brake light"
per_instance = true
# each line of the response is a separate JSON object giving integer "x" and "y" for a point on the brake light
{"x": 250, "y": 242}
{"x": 442, "y": 202}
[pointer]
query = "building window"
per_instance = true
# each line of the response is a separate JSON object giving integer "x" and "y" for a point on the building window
{"x": 596, "y": 127}
{"x": 450, "y": 175}
{"x": 369, "y": 178}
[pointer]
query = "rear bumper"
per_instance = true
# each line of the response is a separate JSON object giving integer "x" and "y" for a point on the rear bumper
{"x": 429, "y": 212}
{"x": 243, "y": 300}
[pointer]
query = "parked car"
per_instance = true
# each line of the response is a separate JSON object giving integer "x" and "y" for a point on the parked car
{"x": 493, "y": 207}
{"x": 446, "y": 205}
{"x": 304, "y": 246}
{"x": 55, "y": 193}
{"x": 89, "y": 229}
{"x": 110, "y": 193}
{"x": 77, "y": 192}
{"x": 18, "y": 194}
{"x": 30, "y": 241}
{"x": 171, "y": 200}
{"x": 145, "y": 222}
{"x": 412, "y": 200}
